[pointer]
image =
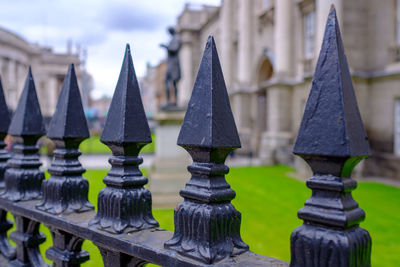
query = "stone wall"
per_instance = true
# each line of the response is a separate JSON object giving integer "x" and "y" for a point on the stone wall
{"x": 48, "y": 68}
{"x": 249, "y": 33}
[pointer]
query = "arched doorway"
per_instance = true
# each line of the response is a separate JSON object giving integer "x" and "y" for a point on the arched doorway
{"x": 265, "y": 72}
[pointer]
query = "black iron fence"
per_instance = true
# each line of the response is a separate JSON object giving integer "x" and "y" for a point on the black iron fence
{"x": 331, "y": 139}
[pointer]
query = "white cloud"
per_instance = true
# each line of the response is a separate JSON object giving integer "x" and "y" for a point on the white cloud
{"x": 103, "y": 27}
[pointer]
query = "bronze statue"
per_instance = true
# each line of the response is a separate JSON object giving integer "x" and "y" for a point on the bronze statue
{"x": 173, "y": 74}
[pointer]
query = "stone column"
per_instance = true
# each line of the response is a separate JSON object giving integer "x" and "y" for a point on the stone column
{"x": 275, "y": 141}
{"x": 245, "y": 41}
{"x": 47, "y": 92}
{"x": 52, "y": 93}
{"x": 283, "y": 38}
{"x": 12, "y": 72}
{"x": 186, "y": 61}
{"x": 242, "y": 98}
{"x": 11, "y": 85}
{"x": 322, "y": 8}
{"x": 226, "y": 41}
{"x": 260, "y": 120}
{"x": 21, "y": 72}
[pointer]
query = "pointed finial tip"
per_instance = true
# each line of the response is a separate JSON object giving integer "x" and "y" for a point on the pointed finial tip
{"x": 210, "y": 41}
{"x": 30, "y": 75}
{"x": 128, "y": 48}
{"x": 71, "y": 70}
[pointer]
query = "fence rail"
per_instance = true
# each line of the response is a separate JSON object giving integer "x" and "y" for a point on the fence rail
{"x": 331, "y": 139}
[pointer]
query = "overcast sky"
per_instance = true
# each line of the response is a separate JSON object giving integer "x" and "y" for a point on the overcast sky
{"x": 103, "y": 27}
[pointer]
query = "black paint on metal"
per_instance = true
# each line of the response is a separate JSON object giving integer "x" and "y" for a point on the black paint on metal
{"x": 146, "y": 244}
{"x": 23, "y": 180}
{"x": 66, "y": 190}
{"x": 125, "y": 205}
{"x": 207, "y": 226}
{"x": 4, "y": 113}
{"x": 332, "y": 140}
{"x": 5, "y": 248}
{"x": 28, "y": 238}
{"x": 118, "y": 259}
{"x": 66, "y": 250}
{"x": 331, "y": 122}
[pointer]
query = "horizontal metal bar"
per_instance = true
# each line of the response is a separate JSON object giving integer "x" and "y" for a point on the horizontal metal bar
{"x": 147, "y": 244}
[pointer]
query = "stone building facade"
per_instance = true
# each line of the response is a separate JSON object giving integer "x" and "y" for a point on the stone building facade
{"x": 48, "y": 68}
{"x": 152, "y": 86}
{"x": 268, "y": 51}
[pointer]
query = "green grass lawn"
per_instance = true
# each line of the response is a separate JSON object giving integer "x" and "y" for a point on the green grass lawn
{"x": 93, "y": 145}
{"x": 268, "y": 200}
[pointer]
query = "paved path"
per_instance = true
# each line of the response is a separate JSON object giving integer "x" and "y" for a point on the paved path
{"x": 99, "y": 161}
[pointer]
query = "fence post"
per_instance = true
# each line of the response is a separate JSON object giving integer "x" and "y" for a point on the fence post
{"x": 207, "y": 226}
{"x": 4, "y": 124}
{"x": 332, "y": 140}
{"x": 125, "y": 205}
{"x": 5, "y": 248}
{"x": 23, "y": 179}
{"x": 66, "y": 191}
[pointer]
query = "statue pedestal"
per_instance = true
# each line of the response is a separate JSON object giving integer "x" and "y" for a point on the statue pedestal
{"x": 275, "y": 148}
{"x": 168, "y": 174}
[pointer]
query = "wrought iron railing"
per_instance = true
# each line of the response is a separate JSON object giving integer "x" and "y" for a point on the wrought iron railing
{"x": 207, "y": 226}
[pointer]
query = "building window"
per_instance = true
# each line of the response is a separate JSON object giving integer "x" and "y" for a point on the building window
{"x": 396, "y": 127}
{"x": 309, "y": 34}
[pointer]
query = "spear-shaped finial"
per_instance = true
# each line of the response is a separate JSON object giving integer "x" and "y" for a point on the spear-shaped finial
{"x": 66, "y": 190}
{"x": 209, "y": 121}
{"x": 69, "y": 121}
{"x": 331, "y": 122}
{"x": 126, "y": 130}
{"x": 23, "y": 179}
{"x": 125, "y": 205}
{"x": 28, "y": 119}
{"x": 332, "y": 140}
{"x": 207, "y": 226}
